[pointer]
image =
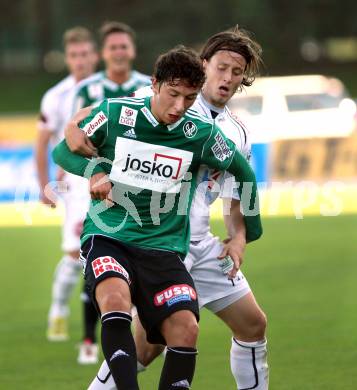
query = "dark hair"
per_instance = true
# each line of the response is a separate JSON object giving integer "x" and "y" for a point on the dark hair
{"x": 239, "y": 41}
{"x": 115, "y": 27}
{"x": 180, "y": 63}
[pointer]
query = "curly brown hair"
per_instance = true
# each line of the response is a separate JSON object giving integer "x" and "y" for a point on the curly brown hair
{"x": 180, "y": 63}
{"x": 238, "y": 41}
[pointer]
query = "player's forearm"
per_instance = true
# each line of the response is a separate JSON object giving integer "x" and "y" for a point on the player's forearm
{"x": 41, "y": 159}
{"x": 234, "y": 222}
{"x": 248, "y": 193}
{"x": 74, "y": 163}
{"x": 42, "y": 168}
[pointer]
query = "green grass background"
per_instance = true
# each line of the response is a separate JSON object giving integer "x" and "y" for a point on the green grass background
{"x": 303, "y": 273}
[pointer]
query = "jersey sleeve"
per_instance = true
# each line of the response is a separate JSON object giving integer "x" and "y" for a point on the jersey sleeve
{"x": 49, "y": 116}
{"x": 226, "y": 190}
{"x": 96, "y": 125}
{"x": 76, "y": 164}
{"x": 220, "y": 153}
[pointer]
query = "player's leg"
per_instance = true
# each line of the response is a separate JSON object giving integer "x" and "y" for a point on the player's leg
{"x": 145, "y": 351}
{"x": 235, "y": 304}
{"x": 248, "y": 354}
{"x": 88, "y": 349}
{"x": 68, "y": 269}
{"x": 180, "y": 331}
{"x": 108, "y": 276}
{"x": 166, "y": 301}
{"x": 65, "y": 279}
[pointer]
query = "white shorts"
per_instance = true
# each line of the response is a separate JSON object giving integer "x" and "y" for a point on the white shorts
{"x": 215, "y": 290}
{"x": 76, "y": 202}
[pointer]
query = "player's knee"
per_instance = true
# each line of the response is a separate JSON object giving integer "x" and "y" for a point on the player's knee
{"x": 114, "y": 301}
{"x": 186, "y": 332}
{"x": 256, "y": 329}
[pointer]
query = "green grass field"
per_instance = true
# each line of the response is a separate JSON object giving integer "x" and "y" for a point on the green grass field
{"x": 303, "y": 274}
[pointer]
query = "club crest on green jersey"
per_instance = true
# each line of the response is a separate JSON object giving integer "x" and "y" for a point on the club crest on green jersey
{"x": 189, "y": 129}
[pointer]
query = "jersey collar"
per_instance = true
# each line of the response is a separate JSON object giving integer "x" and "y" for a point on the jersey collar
{"x": 146, "y": 110}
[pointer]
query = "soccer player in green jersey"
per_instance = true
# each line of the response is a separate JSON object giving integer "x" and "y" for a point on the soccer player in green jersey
{"x": 132, "y": 246}
{"x": 118, "y": 79}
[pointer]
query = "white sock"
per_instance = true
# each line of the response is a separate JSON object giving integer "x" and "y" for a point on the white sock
{"x": 104, "y": 380}
{"x": 65, "y": 278}
{"x": 249, "y": 364}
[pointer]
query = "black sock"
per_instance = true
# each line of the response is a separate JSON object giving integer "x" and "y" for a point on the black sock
{"x": 119, "y": 349}
{"x": 179, "y": 367}
{"x": 90, "y": 317}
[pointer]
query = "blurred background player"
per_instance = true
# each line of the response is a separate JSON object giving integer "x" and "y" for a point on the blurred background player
{"x": 231, "y": 60}
{"x": 117, "y": 79}
{"x": 56, "y": 108}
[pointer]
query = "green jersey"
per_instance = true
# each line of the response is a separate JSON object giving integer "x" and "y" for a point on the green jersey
{"x": 153, "y": 168}
{"x": 98, "y": 87}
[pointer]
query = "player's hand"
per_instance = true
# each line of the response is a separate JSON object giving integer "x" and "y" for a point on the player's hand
{"x": 48, "y": 197}
{"x": 76, "y": 139}
{"x": 234, "y": 248}
{"x": 100, "y": 187}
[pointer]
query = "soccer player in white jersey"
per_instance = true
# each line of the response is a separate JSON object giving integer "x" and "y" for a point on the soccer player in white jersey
{"x": 56, "y": 109}
{"x": 231, "y": 60}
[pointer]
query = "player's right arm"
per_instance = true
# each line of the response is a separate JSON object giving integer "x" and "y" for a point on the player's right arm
{"x": 77, "y": 140}
{"x": 96, "y": 127}
{"x": 48, "y": 124}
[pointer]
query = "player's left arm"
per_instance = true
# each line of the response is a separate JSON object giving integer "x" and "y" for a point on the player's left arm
{"x": 220, "y": 153}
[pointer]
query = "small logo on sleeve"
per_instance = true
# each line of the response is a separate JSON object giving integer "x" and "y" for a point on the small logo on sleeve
{"x": 220, "y": 149}
{"x": 98, "y": 120}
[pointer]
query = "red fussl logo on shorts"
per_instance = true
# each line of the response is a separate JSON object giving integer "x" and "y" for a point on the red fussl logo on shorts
{"x": 105, "y": 264}
{"x": 174, "y": 294}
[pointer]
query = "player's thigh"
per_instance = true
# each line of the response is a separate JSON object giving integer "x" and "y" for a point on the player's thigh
{"x": 245, "y": 317}
{"x": 108, "y": 274}
{"x": 163, "y": 286}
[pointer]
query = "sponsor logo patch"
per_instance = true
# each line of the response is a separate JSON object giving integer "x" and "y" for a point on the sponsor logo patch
{"x": 189, "y": 129}
{"x": 148, "y": 166}
{"x": 220, "y": 149}
{"x": 128, "y": 116}
{"x": 130, "y": 133}
{"x": 105, "y": 264}
{"x": 149, "y": 116}
{"x": 174, "y": 294}
{"x": 98, "y": 120}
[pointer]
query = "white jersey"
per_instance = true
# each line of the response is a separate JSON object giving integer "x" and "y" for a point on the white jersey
{"x": 57, "y": 108}
{"x": 210, "y": 181}
{"x": 56, "y": 111}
